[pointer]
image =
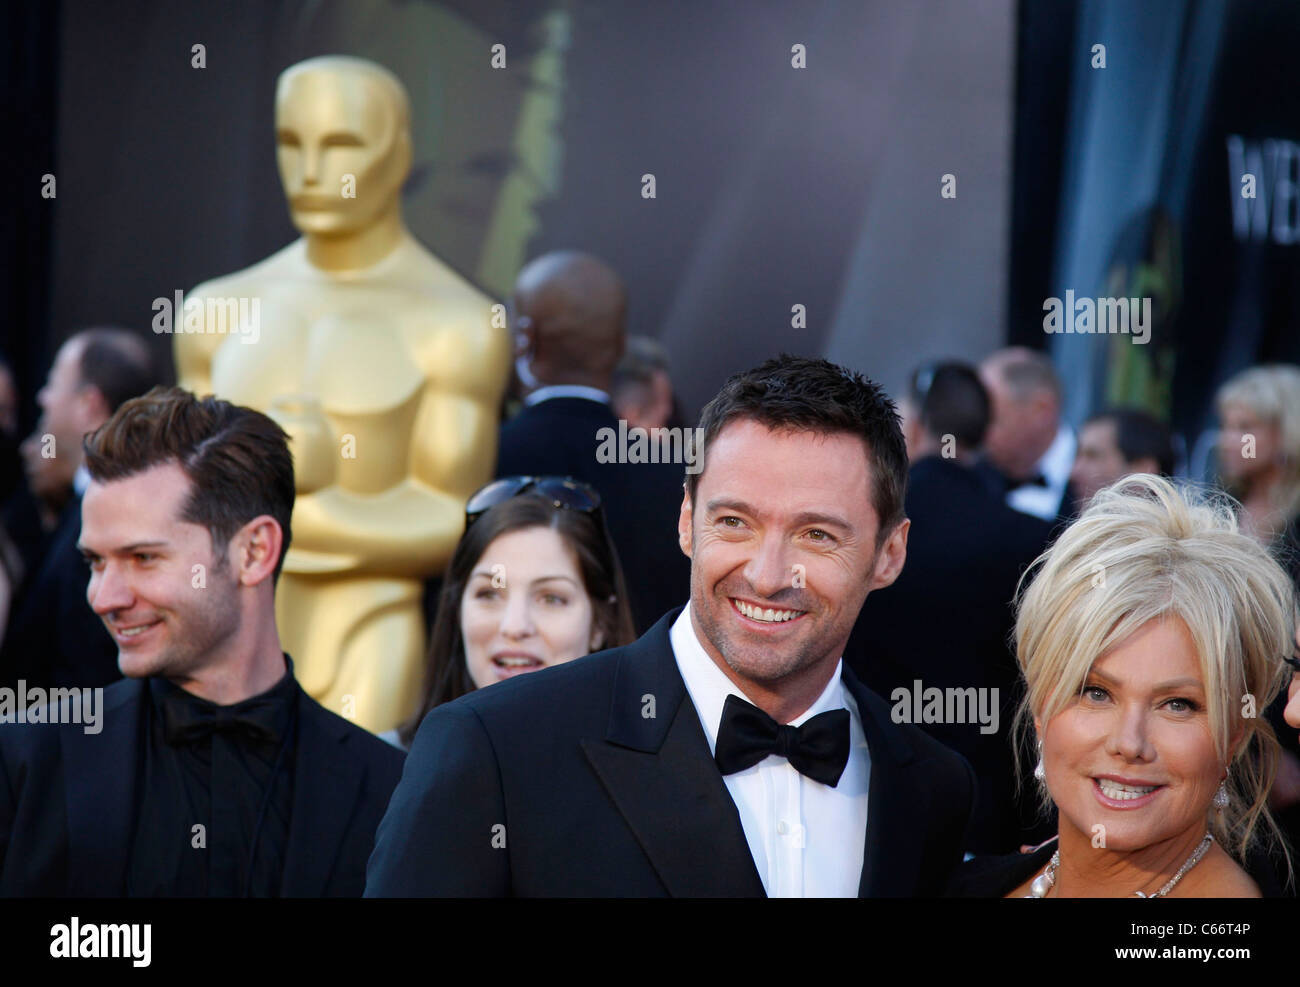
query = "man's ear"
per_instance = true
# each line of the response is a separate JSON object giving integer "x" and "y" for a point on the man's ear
{"x": 684, "y": 521}
{"x": 94, "y": 407}
{"x": 1044, "y": 404}
{"x": 256, "y": 549}
{"x": 892, "y": 555}
{"x": 525, "y": 336}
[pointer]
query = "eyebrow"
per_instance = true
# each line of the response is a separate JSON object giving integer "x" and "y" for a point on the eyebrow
{"x": 124, "y": 550}
{"x": 1182, "y": 683}
{"x": 540, "y": 579}
{"x": 803, "y": 517}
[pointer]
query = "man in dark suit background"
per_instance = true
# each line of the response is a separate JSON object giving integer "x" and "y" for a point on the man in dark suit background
{"x": 209, "y": 771}
{"x": 727, "y": 751}
{"x": 1115, "y": 443}
{"x": 570, "y": 314}
{"x": 1028, "y": 449}
{"x": 948, "y": 618}
{"x": 53, "y": 638}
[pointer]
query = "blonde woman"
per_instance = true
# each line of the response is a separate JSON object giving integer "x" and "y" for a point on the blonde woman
{"x": 1152, "y": 634}
{"x": 1259, "y": 451}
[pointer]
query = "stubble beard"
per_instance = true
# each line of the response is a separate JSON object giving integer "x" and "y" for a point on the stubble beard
{"x": 753, "y": 662}
{"x": 195, "y": 634}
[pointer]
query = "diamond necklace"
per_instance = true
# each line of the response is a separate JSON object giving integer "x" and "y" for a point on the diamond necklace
{"x": 1044, "y": 881}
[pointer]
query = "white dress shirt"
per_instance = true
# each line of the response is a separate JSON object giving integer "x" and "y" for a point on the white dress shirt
{"x": 1057, "y": 461}
{"x": 806, "y": 838}
{"x": 565, "y": 391}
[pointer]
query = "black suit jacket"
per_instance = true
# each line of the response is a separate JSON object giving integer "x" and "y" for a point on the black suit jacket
{"x": 999, "y": 484}
{"x": 642, "y": 501}
{"x": 68, "y": 799}
{"x": 559, "y": 783}
{"x": 947, "y": 621}
{"x": 54, "y": 638}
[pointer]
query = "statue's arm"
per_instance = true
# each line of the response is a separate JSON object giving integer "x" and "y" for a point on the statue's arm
{"x": 411, "y": 528}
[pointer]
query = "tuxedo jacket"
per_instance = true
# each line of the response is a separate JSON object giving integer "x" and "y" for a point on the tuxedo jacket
{"x": 999, "y": 485}
{"x": 641, "y": 501}
{"x": 68, "y": 800}
{"x": 595, "y": 778}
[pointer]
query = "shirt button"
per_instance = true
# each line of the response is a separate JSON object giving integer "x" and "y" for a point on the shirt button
{"x": 783, "y": 827}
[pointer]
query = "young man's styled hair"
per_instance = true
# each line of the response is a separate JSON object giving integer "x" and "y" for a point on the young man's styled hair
{"x": 798, "y": 394}
{"x": 237, "y": 459}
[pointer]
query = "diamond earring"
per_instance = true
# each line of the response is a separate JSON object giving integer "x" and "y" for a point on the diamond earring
{"x": 1221, "y": 796}
{"x": 1039, "y": 771}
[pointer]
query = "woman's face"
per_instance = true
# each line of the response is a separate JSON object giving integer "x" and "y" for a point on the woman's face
{"x": 1292, "y": 713}
{"x": 1133, "y": 752}
{"x": 525, "y": 607}
{"x": 1248, "y": 444}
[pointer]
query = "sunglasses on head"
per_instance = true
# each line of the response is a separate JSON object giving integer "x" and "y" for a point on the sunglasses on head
{"x": 563, "y": 492}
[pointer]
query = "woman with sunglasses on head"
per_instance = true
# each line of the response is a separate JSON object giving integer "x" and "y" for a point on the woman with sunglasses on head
{"x": 534, "y": 581}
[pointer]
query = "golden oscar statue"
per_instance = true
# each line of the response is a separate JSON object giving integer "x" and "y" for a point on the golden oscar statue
{"x": 385, "y": 367}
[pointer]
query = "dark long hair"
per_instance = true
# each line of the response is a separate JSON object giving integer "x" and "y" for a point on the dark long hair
{"x": 446, "y": 676}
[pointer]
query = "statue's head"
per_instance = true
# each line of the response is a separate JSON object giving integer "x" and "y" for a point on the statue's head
{"x": 338, "y": 116}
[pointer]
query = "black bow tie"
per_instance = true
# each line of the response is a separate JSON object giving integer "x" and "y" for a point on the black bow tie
{"x": 1037, "y": 480}
{"x": 187, "y": 719}
{"x": 818, "y": 750}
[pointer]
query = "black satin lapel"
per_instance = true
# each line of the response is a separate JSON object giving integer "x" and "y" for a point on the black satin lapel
{"x": 99, "y": 777}
{"x": 325, "y": 793}
{"x": 891, "y": 853}
{"x": 678, "y": 807}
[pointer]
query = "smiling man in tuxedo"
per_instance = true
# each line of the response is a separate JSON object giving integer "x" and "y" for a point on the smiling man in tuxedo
{"x": 213, "y": 773}
{"x": 727, "y": 752}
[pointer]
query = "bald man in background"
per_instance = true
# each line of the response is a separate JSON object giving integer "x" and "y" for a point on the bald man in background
{"x": 570, "y": 310}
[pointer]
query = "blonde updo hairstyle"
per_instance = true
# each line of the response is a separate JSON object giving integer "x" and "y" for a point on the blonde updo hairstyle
{"x": 1144, "y": 549}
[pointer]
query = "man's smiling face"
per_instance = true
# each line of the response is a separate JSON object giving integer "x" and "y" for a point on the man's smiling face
{"x": 143, "y": 559}
{"x": 782, "y": 536}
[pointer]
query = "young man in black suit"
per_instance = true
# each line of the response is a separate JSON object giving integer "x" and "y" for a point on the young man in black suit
{"x": 209, "y": 771}
{"x": 727, "y": 751}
